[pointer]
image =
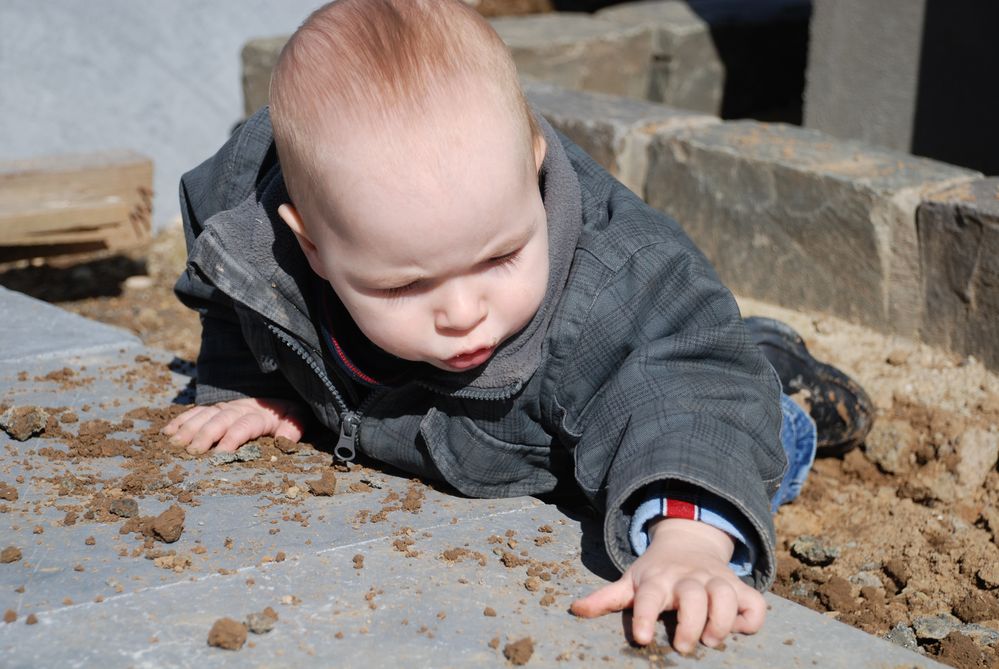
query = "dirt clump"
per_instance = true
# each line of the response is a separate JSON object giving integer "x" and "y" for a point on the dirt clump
{"x": 32, "y": 619}
{"x": 10, "y": 616}
{"x": 228, "y": 634}
{"x": 23, "y": 423}
{"x": 8, "y": 492}
{"x": 325, "y": 485}
{"x": 168, "y": 526}
{"x": 358, "y": 561}
{"x": 10, "y": 554}
{"x": 519, "y": 652}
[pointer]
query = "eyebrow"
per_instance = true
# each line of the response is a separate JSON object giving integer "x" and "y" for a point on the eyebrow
{"x": 505, "y": 247}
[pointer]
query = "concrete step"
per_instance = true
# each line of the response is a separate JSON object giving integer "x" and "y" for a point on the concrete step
{"x": 409, "y": 603}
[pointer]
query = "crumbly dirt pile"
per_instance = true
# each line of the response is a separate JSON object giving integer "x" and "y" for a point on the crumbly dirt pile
{"x": 898, "y": 538}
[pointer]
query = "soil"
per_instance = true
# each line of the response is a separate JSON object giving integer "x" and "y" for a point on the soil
{"x": 900, "y": 532}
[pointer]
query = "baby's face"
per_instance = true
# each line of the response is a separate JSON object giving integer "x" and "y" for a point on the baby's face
{"x": 438, "y": 259}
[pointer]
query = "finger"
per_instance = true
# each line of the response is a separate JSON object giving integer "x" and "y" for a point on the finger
{"x": 192, "y": 426}
{"x": 691, "y": 603}
{"x": 289, "y": 429}
{"x": 175, "y": 424}
{"x": 246, "y": 428}
{"x": 616, "y": 596}
{"x": 650, "y": 600}
{"x": 723, "y": 607}
{"x": 752, "y": 610}
{"x": 211, "y": 431}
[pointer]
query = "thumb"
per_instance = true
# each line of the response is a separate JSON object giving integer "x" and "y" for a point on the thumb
{"x": 616, "y": 596}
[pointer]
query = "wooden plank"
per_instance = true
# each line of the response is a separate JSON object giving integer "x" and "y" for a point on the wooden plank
{"x": 49, "y": 205}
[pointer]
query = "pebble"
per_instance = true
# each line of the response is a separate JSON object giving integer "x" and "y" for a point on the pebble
{"x": 935, "y": 627}
{"x": 247, "y": 453}
{"x": 262, "y": 622}
{"x": 980, "y": 634}
{"x": 813, "y": 551}
{"x": 902, "y": 635}
{"x": 292, "y": 492}
{"x": 866, "y": 578}
{"x": 139, "y": 282}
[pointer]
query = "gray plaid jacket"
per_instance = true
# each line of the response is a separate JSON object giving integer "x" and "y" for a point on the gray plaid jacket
{"x": 648, "y": 374}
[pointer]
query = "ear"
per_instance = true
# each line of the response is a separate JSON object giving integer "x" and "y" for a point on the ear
{"x": 289, "y": 214}
{"x": 540, "y": 148}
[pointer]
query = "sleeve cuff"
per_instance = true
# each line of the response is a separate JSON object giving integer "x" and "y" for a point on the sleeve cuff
{"x": 705, "y": 508}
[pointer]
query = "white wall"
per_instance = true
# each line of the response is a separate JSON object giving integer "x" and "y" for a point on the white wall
{"x": 160, "y": 77}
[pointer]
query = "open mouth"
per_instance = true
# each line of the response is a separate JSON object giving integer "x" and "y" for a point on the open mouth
{"x": 471, "y": 359}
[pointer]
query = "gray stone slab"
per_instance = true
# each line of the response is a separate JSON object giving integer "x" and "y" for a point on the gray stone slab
{"x": 102, "y": 603}
{"x": 31, "y": 328}
{"x": 959, "y": 251}
{"x": 258, "y": 57}
{"x": 800, "y": 219}
{"x": 616, "y": 131}
{"x": 686, "y": 70}
{"x": 580, "y": 52}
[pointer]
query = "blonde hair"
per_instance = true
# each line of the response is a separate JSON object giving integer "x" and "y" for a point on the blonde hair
{"x": 381, "y": 63}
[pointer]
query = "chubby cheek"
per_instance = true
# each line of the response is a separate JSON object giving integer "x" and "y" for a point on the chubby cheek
{"x": 394, "y": 330}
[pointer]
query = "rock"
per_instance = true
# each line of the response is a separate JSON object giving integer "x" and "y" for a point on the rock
{"x": 687, "y": 71}
{"x": 812, "y": 551}
{"x": 866, "y": 579}
{"x": 292, "y": 492}
{"x": 980, "y": 634}
{"x": 138, "y": 282}
{"x": 228, "y": 634}
{"x": 578, "y": 51}
{"x": 978, "y": 451}
{"x": 614, "y": 130}
{"x": 958, "y": 244}
{"x": 902, "y": 635}
{"x": 22, "y": 423}
{"x": 890, "y": 445}
{"x": 770, "y": 206}
{"x": 168, "y": 526}
{"x": 262, "y": 622}
{"x": 936, "y": 627}
{"x": 247, "y": 453}
{"x": 124, "y": 507}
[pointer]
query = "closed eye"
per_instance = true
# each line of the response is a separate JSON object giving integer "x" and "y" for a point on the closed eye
{"x": 506, "y": 259}
{"x": 400, "y": 290}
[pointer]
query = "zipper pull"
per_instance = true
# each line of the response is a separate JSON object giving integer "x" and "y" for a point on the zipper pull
{"x": 344, "y": 449}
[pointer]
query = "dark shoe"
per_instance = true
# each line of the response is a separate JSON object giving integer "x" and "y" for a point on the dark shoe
{"x": 842, "y": 411}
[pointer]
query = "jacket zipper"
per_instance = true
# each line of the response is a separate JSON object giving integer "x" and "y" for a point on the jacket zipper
{"x": 350, "y": 420}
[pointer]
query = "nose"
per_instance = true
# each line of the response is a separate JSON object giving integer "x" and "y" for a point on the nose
{"x": 460, "y": 309}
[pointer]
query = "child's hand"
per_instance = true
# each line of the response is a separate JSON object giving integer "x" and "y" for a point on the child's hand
{"x": 685, "y": 569}
{"x": 229, "y": 425}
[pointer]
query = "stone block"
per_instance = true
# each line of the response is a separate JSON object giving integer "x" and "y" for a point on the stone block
{"x": 259, "y": 57}
{"x": 799, "y": 219}
{"x": 959, "y": 252}
{"x": 580, "y": 52}
{"x": 686, "y": 70}
{"x": 616, "y": 131}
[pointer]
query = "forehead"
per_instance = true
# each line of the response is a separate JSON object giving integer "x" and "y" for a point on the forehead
{"x": 445, "y": 186}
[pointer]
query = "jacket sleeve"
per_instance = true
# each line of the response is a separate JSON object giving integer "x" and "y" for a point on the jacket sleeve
{"x": 226, "y": 367}
{"x": 668, "y": 388}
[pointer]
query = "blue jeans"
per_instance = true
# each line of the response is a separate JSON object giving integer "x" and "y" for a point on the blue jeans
{"x": 797, "y": 435}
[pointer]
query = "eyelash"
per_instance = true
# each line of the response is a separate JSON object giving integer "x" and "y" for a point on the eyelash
{"x": 502, "y": 261}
